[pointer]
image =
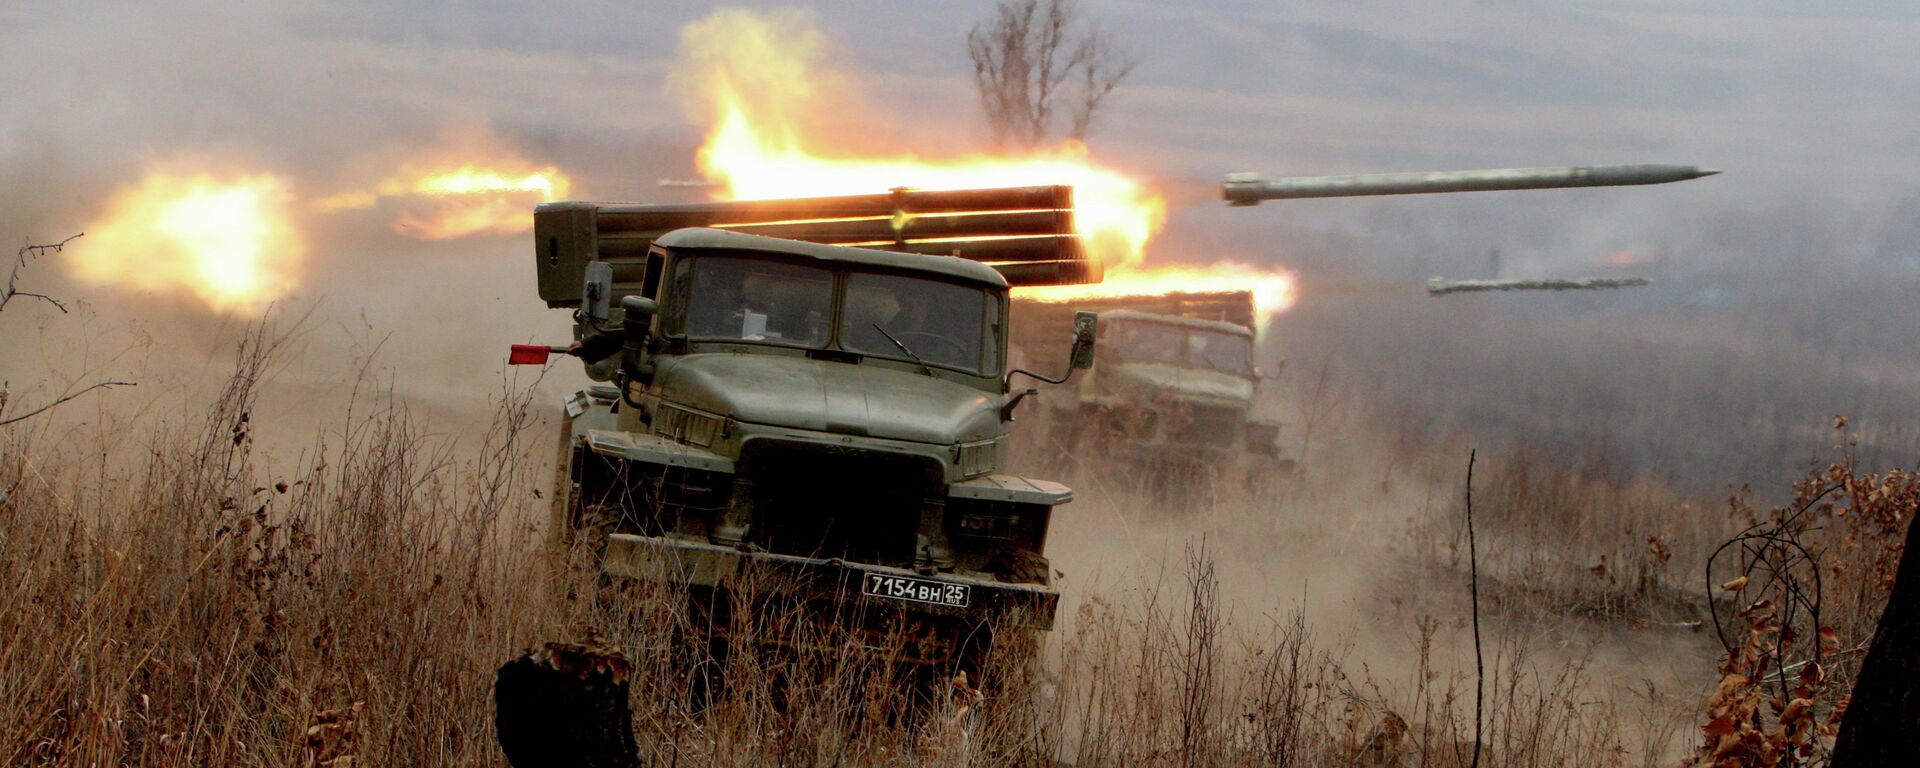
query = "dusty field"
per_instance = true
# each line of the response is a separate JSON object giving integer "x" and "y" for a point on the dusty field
{"x": 194, "y": 583}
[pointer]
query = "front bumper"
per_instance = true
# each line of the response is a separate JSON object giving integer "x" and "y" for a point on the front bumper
{"x": 699, "y": 563}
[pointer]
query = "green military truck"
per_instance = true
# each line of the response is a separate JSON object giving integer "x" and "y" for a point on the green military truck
{"x": 1172, "y": 407}
{"x": 835, "y": 415}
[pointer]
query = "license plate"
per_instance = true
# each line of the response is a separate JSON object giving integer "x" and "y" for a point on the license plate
{"x": 918, "y": 590}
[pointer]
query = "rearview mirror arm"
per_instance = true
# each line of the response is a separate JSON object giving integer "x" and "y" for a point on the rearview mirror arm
{"x": 1078, "y": 358}
{"x": 1024, "y": 372}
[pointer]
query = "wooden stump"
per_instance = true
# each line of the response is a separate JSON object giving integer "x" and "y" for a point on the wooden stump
{"x": 565, "y": 705}
{"x": 1882, "y": 723}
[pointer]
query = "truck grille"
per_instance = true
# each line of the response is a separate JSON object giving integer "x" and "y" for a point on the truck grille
{"x": 1204, "y": 425}
{"x": 837, "y": 501}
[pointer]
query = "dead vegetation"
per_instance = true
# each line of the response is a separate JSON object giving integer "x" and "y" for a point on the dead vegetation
{"x": 1808, "y": 582}
{"x": 168, "y": 602}
{"x": 173, "y": 602}
{"x": 1037, "y": 59}
{"x": 27, "y": 253}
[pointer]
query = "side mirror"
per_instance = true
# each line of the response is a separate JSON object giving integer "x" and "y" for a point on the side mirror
{"x": 596, "y": 295}
{"x": 1079, "y": 358}
{"x": 634, "y": 366}
{"x": 1084, "y": 325}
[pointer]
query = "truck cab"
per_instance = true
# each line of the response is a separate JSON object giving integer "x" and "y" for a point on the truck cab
{"x": 837, "y": 413}
{"x": 1171, "y": 383}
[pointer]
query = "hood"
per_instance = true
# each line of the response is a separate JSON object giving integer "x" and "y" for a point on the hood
{"x": 1206, "y": 385}
{"x": 821, "y": 395}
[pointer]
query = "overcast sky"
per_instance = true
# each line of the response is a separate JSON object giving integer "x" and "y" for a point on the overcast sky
{"x": 1791, "y": 96}
{"x": 1808, "y": 107}
{"x": 1797, "y": 99}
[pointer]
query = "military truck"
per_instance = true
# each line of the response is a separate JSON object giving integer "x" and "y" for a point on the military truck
{"x": 1172, "y": 406}
{"x": 834, "y": 415}
{"x": 838, "y": 408}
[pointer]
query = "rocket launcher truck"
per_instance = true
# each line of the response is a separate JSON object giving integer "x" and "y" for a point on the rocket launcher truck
{"x": 831, "y": 405}
{"x": 820, "y": 387}
{"x": 1172, "y": 403}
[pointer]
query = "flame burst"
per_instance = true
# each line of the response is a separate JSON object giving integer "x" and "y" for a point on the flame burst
{"x": 1274, "y": 291}
{"x": 751, "y": 76}
{"x": 441, "y": 203}
{"x": 229, "y": 241}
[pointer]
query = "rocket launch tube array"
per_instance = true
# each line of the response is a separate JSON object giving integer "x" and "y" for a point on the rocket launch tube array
{"x": 1027, "y": 233}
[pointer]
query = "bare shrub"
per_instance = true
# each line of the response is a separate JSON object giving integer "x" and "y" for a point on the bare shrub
{"x": 1036, "y": 58}
{"x": 28, "y": 252}
{"x": 1809, "y": 582}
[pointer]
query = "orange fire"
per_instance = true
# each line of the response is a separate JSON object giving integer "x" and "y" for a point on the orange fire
{"x": 228, "y": 240}
{"x": 1273, "y": 290}
{"x": 753, "y": 77}
{"x": 442, "y": 202}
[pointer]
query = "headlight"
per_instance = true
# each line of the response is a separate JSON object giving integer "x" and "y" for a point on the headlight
{"x": 685, "y": 425}
{"x": 977, "y": 458}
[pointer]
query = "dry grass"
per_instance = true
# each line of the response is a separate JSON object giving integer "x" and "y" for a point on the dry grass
{"x": 192, "y": 608}
{"x": 1571, "y": 543}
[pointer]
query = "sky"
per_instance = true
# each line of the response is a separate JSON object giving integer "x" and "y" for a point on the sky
{"x": 1796, "y": 104}
{"x": 1806, "y": 107}
{"x": 1799, "y": 106}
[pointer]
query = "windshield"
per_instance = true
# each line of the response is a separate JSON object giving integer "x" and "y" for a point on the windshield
{"x": 942, "y": 323}
{"x": 1220, "y": 351}
{"x": 1148, "y": 342}
{"x": 745, "y": 299}
{"x": 738, "y": 298}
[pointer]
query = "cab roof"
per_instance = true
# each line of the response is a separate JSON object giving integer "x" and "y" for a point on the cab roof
{"x": 1137, "y": 316}
{"x": 702, "y": 238}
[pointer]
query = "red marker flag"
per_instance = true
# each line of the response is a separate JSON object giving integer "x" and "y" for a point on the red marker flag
{"x": 531, "y": 354}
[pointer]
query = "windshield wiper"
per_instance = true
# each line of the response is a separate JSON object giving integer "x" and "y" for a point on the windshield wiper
{"x": 924, "y": 368}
